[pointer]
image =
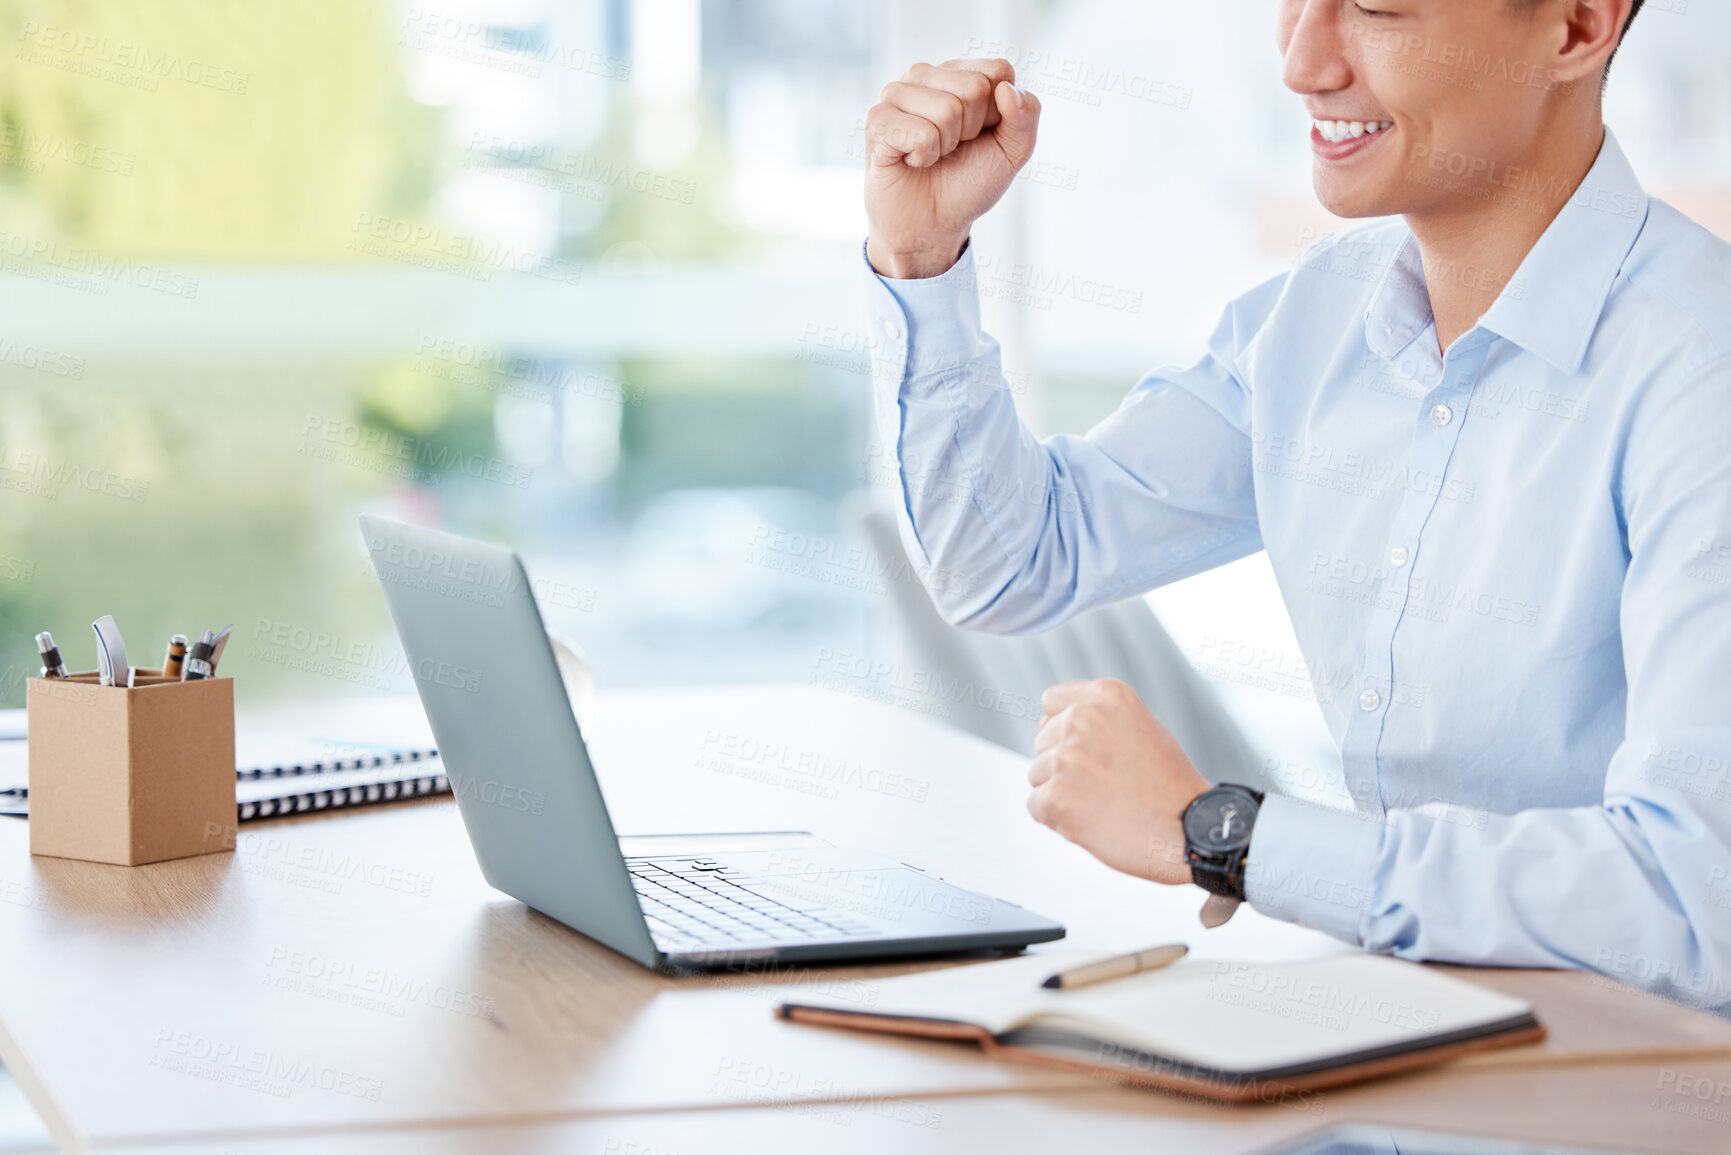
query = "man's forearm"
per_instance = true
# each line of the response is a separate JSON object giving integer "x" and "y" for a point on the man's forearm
{"x": 971, "y": 479}
{"x": 1018, "y": 534}
{"x": 1599, "y": 888}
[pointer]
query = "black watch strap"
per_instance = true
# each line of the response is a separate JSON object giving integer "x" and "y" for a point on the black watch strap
{"x": 1224, "y": 878}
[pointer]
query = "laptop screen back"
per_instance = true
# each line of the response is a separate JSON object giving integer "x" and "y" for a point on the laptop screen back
{"x": 489, "y": 683}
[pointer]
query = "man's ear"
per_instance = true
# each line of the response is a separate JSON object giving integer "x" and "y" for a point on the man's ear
{"x": 1587, "y": 33}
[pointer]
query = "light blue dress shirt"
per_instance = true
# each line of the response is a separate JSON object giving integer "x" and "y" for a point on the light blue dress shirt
{"x": 1509, "y": 568}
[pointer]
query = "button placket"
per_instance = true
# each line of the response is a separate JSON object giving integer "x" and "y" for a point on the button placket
{"x": 1437, "y": 429}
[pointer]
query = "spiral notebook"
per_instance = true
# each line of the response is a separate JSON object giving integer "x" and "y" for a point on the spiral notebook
{"x": 329, "y": 778}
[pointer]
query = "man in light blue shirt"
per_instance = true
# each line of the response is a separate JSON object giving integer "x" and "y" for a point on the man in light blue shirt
{"x": 1487, "y": 446}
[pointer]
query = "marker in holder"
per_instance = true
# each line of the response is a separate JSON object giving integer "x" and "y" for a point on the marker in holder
{"x": 198, "y": 658}
{"x": 52, "y": 666}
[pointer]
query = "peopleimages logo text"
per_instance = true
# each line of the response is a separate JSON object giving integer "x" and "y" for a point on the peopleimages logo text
{"x": 422, "y": 454}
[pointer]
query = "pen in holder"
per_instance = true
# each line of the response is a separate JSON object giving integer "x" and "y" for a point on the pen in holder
{"x": 130, "y": 775}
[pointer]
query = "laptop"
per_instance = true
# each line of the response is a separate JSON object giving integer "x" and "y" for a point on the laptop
{"x": 535, "y": 815}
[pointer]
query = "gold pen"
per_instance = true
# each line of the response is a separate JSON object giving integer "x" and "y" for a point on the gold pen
{"x": 1117, "y": 967}
{"x": 176, "y": 655}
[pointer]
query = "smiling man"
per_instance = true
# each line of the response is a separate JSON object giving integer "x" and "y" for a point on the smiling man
{"x": 1487, "y": 446}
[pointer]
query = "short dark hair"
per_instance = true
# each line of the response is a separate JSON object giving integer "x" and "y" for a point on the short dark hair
{"x": 1634, "y": 11}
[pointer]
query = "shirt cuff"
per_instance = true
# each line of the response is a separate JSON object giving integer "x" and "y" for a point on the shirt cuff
{"x": 924, "y": 328}
{"x": 1313, "y": 865}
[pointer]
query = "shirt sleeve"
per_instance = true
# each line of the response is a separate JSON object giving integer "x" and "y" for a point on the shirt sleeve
{"x": 1636, "y": 888}
{"x": 1017, "y": 534}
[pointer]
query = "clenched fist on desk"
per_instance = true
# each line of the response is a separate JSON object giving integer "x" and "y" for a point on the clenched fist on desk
{"x": 944, "y": 143}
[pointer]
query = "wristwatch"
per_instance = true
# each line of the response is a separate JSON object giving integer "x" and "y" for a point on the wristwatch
{"x": 1217, "y": 826}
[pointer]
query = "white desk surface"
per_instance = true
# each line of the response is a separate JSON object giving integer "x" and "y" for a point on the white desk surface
{"x": 353, "y": 971}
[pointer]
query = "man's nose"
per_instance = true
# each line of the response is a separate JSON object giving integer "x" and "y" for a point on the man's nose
{"x": 1314, "y": 52}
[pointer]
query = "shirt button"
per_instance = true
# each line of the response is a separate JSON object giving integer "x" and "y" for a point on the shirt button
{"x": 1369, "y": 700}
{"x": 1397, "y": 556}
{"x": 891, "y": 329}
{"x": 1442, "y": 415}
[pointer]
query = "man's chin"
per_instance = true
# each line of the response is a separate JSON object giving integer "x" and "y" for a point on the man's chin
{"x": 1353, "y": 200}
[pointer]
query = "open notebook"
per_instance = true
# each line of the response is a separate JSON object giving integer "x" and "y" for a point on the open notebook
{"x": 1227, "y": 1030}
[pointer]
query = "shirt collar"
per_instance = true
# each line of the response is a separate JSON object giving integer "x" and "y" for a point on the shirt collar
{"x": 1399, "y": 310}
{"x": 1551, "y": 306}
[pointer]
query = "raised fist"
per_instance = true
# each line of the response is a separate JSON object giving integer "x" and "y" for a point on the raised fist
{"x": 944, "y": 142}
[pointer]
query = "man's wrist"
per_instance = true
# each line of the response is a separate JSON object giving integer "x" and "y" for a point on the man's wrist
{"x": 913, "y": 264}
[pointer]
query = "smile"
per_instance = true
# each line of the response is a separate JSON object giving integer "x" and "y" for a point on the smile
{"x": 1336, "y": 131}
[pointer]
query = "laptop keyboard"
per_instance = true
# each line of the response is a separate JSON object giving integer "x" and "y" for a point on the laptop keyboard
{"x": 701, "y": 899}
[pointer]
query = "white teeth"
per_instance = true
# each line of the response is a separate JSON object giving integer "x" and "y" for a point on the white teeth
{"x": 1335, "y": 131}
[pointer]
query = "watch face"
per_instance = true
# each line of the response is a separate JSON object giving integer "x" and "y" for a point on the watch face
{"x": 1220, "y": 820}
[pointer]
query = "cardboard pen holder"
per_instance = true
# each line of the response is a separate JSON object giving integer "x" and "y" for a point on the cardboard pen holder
{"x": 130, "y": 776}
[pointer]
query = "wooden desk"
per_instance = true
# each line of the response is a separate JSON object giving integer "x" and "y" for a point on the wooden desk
{"x": 1628, "y": 1114}
{"x": 352, "y": 977}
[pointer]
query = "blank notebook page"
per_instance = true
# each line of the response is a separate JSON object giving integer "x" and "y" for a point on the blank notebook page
{"x": 1224, "y": 1015}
